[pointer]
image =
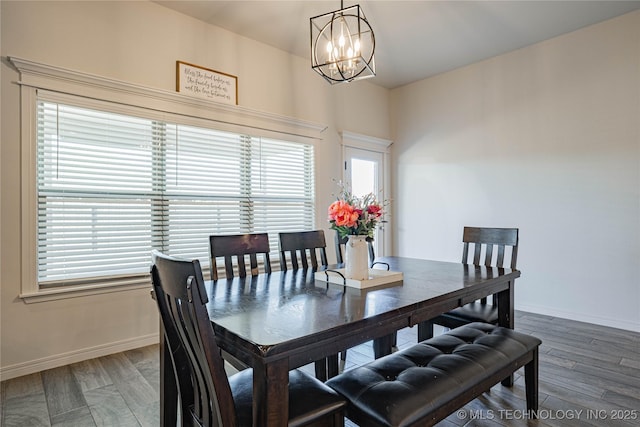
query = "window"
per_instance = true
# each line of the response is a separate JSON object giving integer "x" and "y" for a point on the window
{"x": 111, "y": 186}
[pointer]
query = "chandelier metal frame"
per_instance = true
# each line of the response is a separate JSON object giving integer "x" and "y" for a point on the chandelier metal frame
{"x": 342, "y": 45}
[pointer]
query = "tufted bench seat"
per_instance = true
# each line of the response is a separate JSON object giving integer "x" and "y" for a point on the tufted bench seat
{"x": 423, "y": 384}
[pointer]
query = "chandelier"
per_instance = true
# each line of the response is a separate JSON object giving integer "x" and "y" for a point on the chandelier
{"x": 342, "y": 45}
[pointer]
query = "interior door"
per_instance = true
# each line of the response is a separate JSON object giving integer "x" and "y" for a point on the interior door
{"x": 364, "y": 172}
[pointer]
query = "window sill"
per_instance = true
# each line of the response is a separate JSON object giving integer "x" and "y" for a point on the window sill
{"x": 79, "y": 291}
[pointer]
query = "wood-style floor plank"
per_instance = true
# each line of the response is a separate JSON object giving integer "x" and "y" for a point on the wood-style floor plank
{"x": 79, "y": 417}
{"x": 62, "y": 391}
{"x": 23, "y": 386}
{"x": 623, "y": 401}
{"x": 577, "y": 399}
{"x": 625, "y": 349}
{"x": 577, "y": 383}
{"x": 90, "y": 374}
{"x": 141, "y": 397}
{"x": 635, "y": 364}
{"x": 147, "y": 361}
{"x": 583, "y": 368}
{"x": 29, "y": 410}
{"x": 109, "y": 408}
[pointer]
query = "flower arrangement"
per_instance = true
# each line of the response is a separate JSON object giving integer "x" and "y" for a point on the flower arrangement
{"x": 351, "y": 215}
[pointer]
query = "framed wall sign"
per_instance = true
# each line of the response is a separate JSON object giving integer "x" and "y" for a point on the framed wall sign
{"x": 205, "y": 83}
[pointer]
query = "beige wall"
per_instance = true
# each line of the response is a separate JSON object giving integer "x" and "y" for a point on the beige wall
{"x": 547, "y": 139}
{"x": 139, "y": 42}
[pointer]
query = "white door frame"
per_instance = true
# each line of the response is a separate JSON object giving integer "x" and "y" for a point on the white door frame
{"x": 377, "y": 145}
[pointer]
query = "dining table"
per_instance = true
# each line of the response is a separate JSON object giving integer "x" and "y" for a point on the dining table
{"x": 287, "y": 319}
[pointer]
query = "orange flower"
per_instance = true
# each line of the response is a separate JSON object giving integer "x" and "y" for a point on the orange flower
{"x": 343, "y": 214}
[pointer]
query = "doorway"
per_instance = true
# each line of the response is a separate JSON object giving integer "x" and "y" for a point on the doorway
{"x": 364, "y": 172}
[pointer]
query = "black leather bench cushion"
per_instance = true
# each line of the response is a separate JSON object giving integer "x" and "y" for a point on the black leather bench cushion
{"x": 401, "y": 388}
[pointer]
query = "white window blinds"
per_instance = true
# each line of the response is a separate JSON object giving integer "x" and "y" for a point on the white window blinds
{"x": 113, "y": 186}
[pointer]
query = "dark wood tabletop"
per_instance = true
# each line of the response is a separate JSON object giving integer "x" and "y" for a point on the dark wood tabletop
{"x": 285, "y": 320}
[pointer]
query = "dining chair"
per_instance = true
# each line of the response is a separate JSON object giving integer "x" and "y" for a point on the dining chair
{"x": 479, "y": 243}
{"x": 340, "y": 243}
{"x": 208, "y": 397}
{"x": 303, "y": 248}
{"x": 239, "y": 246}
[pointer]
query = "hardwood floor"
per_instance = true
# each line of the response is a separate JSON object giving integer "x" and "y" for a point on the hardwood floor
{"x": 589, "y": 376}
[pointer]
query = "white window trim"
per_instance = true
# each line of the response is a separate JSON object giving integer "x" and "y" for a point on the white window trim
{"x": 34, "y": 76}
{"x": 366, "y": 142}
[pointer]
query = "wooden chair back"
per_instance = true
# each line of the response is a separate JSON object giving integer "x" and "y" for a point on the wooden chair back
{"x": 340, "y": 245}
{"x": 484, "y": 241}
{"x": 303, "y": 246}
{"x": 239, "y": 246}
{"x": 482, "y": 247}
{"x": 205, "y": 393}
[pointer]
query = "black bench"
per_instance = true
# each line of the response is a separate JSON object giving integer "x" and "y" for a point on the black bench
{"x": 425, "y": 383}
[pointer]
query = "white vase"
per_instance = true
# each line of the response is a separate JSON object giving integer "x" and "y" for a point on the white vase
{"x": 356, "y": 258}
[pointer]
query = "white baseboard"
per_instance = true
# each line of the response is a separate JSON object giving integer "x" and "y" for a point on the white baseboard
{"x": 581, "y": 317}
{"x": 55, "y": 361}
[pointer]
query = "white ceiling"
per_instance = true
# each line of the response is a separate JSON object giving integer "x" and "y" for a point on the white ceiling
{"x": 414, "y": 39}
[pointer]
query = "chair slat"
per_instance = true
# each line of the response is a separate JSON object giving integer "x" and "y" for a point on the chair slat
{"x": 476, "y": 253}
{"x": 488, "y": 255}
{"x": 253, "y": 262}
{"x": 514, "y": 257}
{"x": 465, "y": 253}
{"x": 228, "y": 266}
{"x": 242, "y": 268}
{"x": 314, "y": 259}
{"x": 294, "y": 260}
{"x": 500, "y": 261}
{"x": 304, "y": 258}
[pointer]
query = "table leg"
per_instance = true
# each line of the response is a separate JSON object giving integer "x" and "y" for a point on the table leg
{"x": 321, "y": 369}
{"x": 425, "y": 330}
{"x": 326, "y": 368}
{"x": 505, "y": 317}
{"x": 382, "y": 346}
{"x": 168, "y": 386}
{"x": 271, "y": 394}
{"x": 332, "y": 366}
